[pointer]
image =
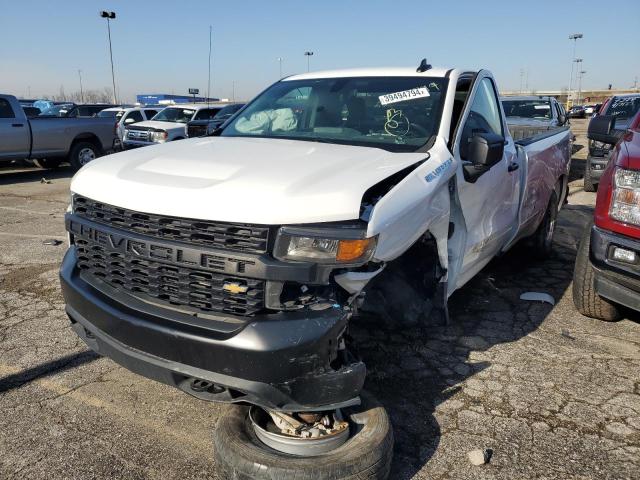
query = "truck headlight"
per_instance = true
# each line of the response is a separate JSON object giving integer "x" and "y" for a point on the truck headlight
{"x": 158, "y": 136}
{"x": 625, "y": 198}
{"x": 334, "y": 247}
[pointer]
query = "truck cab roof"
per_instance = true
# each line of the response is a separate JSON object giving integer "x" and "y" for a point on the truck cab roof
{"x": 372, "y": 72}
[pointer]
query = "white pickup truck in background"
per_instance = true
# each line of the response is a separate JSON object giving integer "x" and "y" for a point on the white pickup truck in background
{"x": 229, "y": 266}
{"x": 168, "y": 125}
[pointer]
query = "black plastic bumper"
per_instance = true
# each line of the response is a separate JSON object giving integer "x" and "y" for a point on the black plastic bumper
{"x": 596, "y": 165}
{"x": 286, "y": 361}
{"x": 614, "y": 280}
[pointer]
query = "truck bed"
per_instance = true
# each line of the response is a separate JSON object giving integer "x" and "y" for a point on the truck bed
{"x": 544, "y": 157}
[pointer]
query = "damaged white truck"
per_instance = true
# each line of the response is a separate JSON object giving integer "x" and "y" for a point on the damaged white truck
{"x": 229, "y": 266}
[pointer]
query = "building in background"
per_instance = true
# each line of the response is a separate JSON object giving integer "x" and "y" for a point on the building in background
{"x": 168, "y": 99}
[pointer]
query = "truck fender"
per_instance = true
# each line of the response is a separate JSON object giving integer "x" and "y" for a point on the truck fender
{"x": 417, "y": 204}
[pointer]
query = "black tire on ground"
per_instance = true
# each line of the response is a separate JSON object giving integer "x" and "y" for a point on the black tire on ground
{"x": 47, "y": 162}
{"x": 589, "y": 186}
{"x": 585, "y": 298}
{"x": 542, "y": 239}
{"x": 79, "y": 155}
{"x": 365, "y": 455}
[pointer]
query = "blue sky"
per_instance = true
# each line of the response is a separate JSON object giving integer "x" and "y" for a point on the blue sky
{"x": 162, "y": 46}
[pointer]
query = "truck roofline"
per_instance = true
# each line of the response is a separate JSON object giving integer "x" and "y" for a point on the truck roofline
{"x": 440, "y": 72}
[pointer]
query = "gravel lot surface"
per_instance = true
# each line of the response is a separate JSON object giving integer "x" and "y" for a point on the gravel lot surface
{"x": 553, "y": 394}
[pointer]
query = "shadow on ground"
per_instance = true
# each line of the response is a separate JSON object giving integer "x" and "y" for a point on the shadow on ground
{"x": 23, "y": 173}
{"x": 413, "y": 369}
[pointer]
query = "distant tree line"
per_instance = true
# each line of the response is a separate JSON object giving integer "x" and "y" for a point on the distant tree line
{"x": 88, "y": 96}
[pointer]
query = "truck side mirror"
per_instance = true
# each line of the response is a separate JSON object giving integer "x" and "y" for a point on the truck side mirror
{"x": 562, "y": 119}
{"x": 600, "y": 129}
{"x": 485, "y": 149}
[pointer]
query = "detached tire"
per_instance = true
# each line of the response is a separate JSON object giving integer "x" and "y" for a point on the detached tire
{"x": 365, "y": 455}
{"x": 47, "y": 162}
{"x": 585, "y": 298}
{"x": 542, "y": 239}
{"x": 589, "y": 186}
{"x": 82, "y": 153}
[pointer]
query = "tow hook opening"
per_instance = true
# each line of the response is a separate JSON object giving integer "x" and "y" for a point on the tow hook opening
{"x": 302, "y": 433}
{"x": 198, "y": 385}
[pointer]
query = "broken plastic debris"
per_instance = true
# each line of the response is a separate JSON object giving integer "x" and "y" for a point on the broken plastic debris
{"x": 538, "y": 297}
{"x": 44, "y": 180}
{"x": 480, "y": 457}
{"x": 52, "y": 241}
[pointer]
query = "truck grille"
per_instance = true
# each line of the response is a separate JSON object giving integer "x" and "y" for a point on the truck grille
{"x": 139, "y": 135}
{"x": 181, "y": 287}
{"x": 196, "y": 130}
{"x": 224, "y": 236}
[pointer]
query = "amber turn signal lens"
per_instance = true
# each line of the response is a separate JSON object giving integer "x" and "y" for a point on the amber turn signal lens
{"x": 351, "y": 250}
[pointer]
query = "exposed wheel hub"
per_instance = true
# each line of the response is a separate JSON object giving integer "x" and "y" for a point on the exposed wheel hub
{"x": 306, "y": 434}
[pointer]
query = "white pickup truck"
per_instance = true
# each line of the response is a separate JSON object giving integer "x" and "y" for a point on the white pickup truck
{"x": 168, "y": 125}
{"x": 229, "y": 266}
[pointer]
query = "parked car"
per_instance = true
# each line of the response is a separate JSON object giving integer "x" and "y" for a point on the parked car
{"x": 530, "y": 115}
{"x": 577, "y": 111}
{"x": 48, "y": 141}
{"x": 607, "y": 273}
{"x": 71, "y": 110}
{"x": 622, "y": 108}
{"x": 169, "y": 125}
{"x": 126, "y": 116}
{"x": 199, "y": 128}
{"x": 590, "y": 109}
{"x": 230, "y": 266}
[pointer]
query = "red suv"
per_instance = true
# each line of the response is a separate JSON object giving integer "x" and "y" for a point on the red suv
{"x": 607, "y": 273}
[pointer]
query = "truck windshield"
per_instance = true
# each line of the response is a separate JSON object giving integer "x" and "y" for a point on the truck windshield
{"x": 623, "y": 107}
{"x": 110, "y": 113}
{"x": 176, "y": 115}
{"x": 527, "y": 108}
{"x": 394, "y": 113}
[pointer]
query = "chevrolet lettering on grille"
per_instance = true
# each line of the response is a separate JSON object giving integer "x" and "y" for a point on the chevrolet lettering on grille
{"x": 157, "y": 251}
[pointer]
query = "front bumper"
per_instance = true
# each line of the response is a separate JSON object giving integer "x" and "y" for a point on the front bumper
{"x": 597, "y": 165}
{"x": 286, "y": 361}
{"x": 615, "y": 280}
{"x": 130, "y": 144}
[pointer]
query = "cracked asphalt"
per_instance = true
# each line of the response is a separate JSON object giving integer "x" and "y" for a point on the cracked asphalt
{"x": 555, "y": 395}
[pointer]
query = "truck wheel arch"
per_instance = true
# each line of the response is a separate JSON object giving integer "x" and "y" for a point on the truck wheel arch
{"x": 87, "y": 137}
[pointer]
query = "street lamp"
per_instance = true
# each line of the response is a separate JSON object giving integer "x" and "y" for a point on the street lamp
{"x": 280, "y": 64}
{"x": 574, "y": 37}
{"x": 580, "y": 75}
{"x": 110, "y": 16}
{"x": 81, "y": 92}
{"x": 308, "y": 55}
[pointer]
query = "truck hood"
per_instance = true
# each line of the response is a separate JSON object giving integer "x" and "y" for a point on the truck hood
{"x": 247, "y": 180}
{"x": 152, "y": 124}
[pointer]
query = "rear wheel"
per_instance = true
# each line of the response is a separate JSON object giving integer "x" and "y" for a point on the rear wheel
{"x": 82, "y": 153}
{"x": 366, "y": 454}
{"x": 47, "y": 162}
{"x": 589, "y": 186}
{"x": 585, "y": 298}
{"x": 542, "y": 239}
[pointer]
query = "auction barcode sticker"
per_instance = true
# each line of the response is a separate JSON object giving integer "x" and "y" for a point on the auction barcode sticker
{"x": 412, "y": 94}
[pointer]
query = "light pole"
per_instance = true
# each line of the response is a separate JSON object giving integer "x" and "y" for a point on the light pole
{"x": 308, "y": 55}
{"x": 110, "y": 16}
{"x": 209, "y": 77}
{"x": 578, "y": 62}
{"x": 280, "y": 64}
{"x": 574, "y": 37}
{"x": 580, "y": 75}
{"x": 81, "y": 91}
